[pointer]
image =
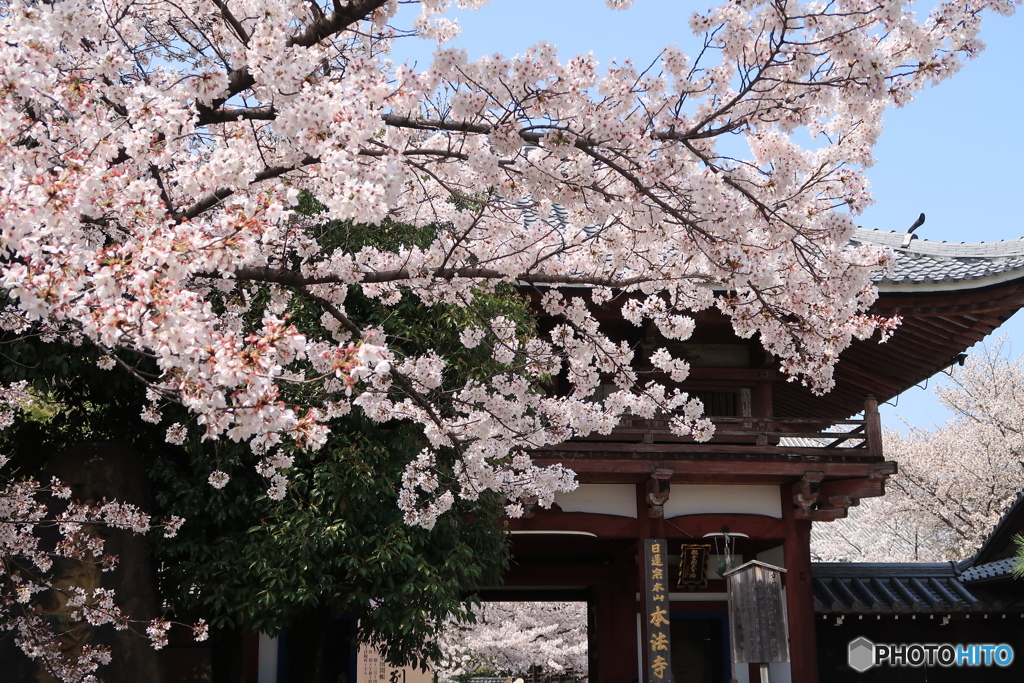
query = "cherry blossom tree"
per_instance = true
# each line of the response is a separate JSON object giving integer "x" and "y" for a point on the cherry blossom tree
{"x": 153, "y": 154}
{"x": 245, "y": 561}
{"x": 955, "y": 480}
{"x": 511, "y": 638}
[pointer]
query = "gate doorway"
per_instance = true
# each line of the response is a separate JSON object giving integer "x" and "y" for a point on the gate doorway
{"x": 700, "y": 647}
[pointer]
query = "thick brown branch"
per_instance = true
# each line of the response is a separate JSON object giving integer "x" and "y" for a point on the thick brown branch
{"x": 214, "y": 198}
{"x": 295, "y": 279}
{"x": 670, "y": 135}
{"x": 209, "y": 116}
{"x": 322, "y": 28}
{"x": 341, "y": 18}
{"x": 236, "y": 26}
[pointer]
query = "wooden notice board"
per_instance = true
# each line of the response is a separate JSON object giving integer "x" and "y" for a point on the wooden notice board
{"x": 371, "y": 667}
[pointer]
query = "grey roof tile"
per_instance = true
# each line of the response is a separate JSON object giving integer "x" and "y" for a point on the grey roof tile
{"x": 927, "y": 261}
{"x": 998, "y": 569}
{"x": 894, "y": 587}
{"x": 1008, "y": 524}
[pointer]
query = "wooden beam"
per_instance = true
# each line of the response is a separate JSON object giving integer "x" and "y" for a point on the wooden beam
{"x": 1007, "y": 297}
{"x": 799, "y": 597}
{"x": 913, "y": 343}
{"x": 953, "y": 330}
{"x": 689, "y": 527}
{"x": 854, "y": 373}
{"x": 826, "y": 501}
{"x": 863, "y": 487}
{"x": 688, "y": 471}
{"x": 826, "y": 514}
{"x": 658, "y": 491}
{"x": 666, "y": 450}
{"x": 747, "y": 375}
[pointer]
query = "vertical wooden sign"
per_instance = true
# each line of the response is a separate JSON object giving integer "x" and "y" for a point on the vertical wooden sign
{"x": 693, "y": 564}
{"x": 371, "y": 667}
{"x": 658, "y": 646}
{"x": 757, "y": 614}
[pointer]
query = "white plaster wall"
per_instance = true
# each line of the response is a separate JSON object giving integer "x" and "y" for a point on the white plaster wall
{"x": 267, "y": 659}
{"x": 699, "y": 499}
{"x": 609, "y": 499}
{"x": 779, "y": 672}
{"x": 773, "y": 556}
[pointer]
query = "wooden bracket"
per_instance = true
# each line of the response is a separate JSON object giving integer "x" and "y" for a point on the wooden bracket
{"x": 826, "y": 514}
{"x": 823, "y": 501}
{"x": 658, "y": 490}
{"x": 806, "y": 492}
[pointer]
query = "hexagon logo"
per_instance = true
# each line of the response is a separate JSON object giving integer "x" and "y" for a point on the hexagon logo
{"x": 861, "y": 654}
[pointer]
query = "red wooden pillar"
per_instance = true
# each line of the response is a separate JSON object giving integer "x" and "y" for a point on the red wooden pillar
{"x": 612, "y": 641}
{"x": 803, "y": 650}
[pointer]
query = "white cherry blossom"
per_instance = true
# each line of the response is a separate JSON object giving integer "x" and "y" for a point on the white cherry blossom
{"x": 153, "y": 154}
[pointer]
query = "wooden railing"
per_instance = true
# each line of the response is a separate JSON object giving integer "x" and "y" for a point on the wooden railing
{"x": 749, "y": 435}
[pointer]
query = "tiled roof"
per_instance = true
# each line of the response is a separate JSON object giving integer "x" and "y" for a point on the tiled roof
{"x": 894, "y": 587}
{"x": 558, "y": 217}
{"x": 1010, "y": 523}
{"x": 998, "y": 569}
{"x": 918, "y": 261}
{"x": 926, "y": 261}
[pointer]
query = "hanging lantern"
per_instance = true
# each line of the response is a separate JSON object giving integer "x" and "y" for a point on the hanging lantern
{"x": 725, "y": 549}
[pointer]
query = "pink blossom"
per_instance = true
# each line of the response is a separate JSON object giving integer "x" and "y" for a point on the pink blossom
{"x": 218, "y": 479}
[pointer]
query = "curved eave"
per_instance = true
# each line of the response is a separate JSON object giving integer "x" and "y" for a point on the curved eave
{"x": 941, "y": 321}
{"x": 946, "y": 286}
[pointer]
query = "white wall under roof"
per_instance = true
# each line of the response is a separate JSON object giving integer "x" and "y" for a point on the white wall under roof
{"x": 700, "y": 499}
{"x": 608, "y": 499}
{"x": 686, "y": 499}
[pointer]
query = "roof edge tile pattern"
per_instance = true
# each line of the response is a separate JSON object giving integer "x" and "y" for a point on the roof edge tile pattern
{"x": 990, "y": 571}
{"x": 928, "y": 262}
{"x": 1003, "y": 530}
{"x": 898, "y": 587}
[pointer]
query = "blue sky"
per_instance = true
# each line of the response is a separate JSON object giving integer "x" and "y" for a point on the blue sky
{"x": 955, "y": 153}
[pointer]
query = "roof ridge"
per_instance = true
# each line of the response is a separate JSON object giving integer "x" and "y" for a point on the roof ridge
{"x": 997, "y": 529}
{"x": 922, "y": 262}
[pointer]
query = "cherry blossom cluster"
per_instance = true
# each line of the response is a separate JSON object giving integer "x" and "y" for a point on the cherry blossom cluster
{"x": 153, "y": 154}
{"x": 13, "y": 397}
{"x": 27, "y": 563}
{"x": 25, "y": 572}
{"x": 510, "y": 638}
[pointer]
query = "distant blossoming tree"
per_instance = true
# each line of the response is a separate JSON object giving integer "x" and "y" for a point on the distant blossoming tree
{"x": 152, "y": 155}
{"x": 512, "y": 638}
{"x": 955, "y": 481}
